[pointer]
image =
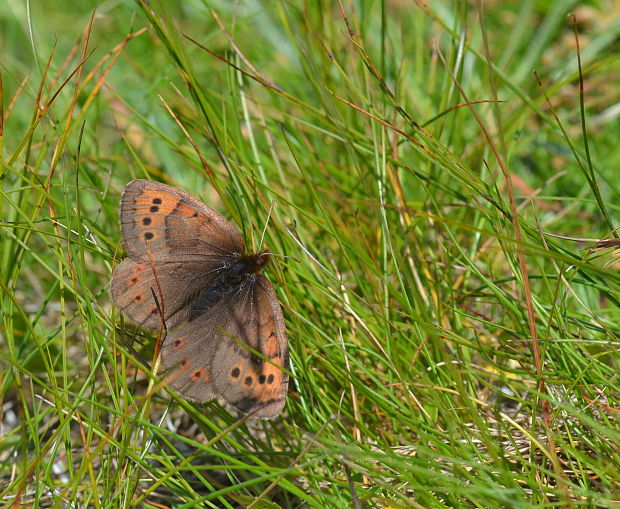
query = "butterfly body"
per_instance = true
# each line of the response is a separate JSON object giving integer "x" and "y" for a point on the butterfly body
{"x": 240, "y": 272}
{"x": 187, "y": 266}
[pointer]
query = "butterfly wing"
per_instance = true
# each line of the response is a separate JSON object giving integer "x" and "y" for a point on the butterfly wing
{"x": 174, "y": 239}
{"x": 250, "y": 382}
{"x": 138, "y": 295}
{"x": 162, "y": 223}
{"x": 213, "y": 355}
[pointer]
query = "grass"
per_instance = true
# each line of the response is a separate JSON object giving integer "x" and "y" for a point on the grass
{"x": 453, "y": 321}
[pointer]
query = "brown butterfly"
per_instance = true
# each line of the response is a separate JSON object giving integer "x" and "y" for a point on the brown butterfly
{"x": 187, "y": 265}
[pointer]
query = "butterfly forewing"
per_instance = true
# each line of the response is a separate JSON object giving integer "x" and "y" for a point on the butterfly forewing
{"x": 247, "y": 351}
{"x": 162, "y": 223}
{"x": 255, "y": 381}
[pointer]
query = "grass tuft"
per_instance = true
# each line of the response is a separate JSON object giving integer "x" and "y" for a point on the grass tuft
{"x": 440, "y": 179}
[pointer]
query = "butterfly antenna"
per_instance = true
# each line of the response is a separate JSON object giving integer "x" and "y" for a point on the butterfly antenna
{"x": 264, "y": 231}
{"x": 262, "y": 237}
{"x": 285, "y": 256}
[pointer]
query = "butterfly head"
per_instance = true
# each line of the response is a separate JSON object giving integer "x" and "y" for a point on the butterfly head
{"x": 258, "y": 261}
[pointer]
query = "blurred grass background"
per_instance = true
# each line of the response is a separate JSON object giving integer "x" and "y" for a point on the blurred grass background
{"x": 453, "y": 316}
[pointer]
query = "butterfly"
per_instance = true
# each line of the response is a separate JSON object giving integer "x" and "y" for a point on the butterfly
{"x": 187, "y": 265}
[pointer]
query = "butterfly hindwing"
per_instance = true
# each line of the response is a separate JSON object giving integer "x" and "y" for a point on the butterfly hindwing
{"x": 187, "y": 355}
{"x": 145, "y": 291}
